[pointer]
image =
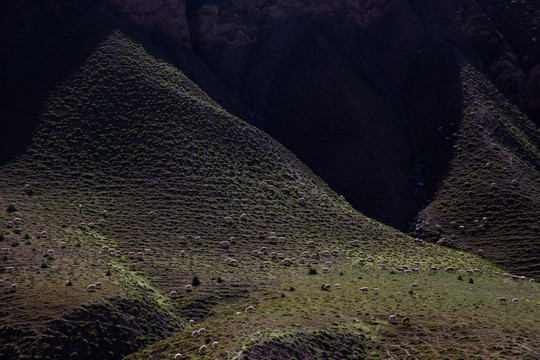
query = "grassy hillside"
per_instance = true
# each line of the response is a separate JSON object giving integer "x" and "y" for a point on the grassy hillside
{"x": 128, "y": 153}
{"x": 488, "y": 197}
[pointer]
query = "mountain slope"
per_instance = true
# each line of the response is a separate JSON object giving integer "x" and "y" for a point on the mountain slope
{"x": 129, "y": 134}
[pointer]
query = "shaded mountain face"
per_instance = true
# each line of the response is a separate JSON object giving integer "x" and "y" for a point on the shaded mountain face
{"x": 369, "y": 94}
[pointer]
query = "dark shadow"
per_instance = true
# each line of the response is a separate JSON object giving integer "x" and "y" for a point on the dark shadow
{"x": 38, "y": 59}
{"x": 432, "y": 98}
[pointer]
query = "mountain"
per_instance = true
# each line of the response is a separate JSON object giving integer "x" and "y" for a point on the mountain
{"x": 109, "y": 144}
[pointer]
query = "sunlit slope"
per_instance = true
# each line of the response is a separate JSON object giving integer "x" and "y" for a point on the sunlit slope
{"x": 489, "y": 199}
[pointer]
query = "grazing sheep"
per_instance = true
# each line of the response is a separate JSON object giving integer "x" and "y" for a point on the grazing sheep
{"x": 82, "y": 224}
{"x": 182, "y": 253}
{"x": 311, "y": 243}
{"x": 414, "y": 285}
{"x": 215, "y": 345}
{"x": 286, "y": 262}
{"x": 101, "y": 221}
{"x": 195, "y": 332}
{"x": 502, "y": 300}
{"x": 369, "y": 258}
{"x": 9, "y": 224}
{"x": 355, "y": 243}
{"x": 243, "y": 217}
{"x": 450, "y": 269}
{"x": 13, "y": 288}
{"x": 139, "y": 255}
{"x": 280, "y": 239}
{"x": 10, "y": 269}
{"x": 191, "y": 321}
{"x": 392, "y": 319}
{"x": 80, "y": 208}
{"x": 480, "y": 252}
{"x": 415, "y": 270}
{"x": 177, "y": 356}
{"x": 335, "y": 252}
{"x": 361, "y": 260}
{"x": 6, "y": 250}
{"x": 16, "y": 220}
{"x": 292, "y": 260}
{"x": 273, "y": 254}
{"x": 326, "y": 253}
{"x": 515, "y": 300}
{"x": 90, "y": 224}
{"x": 495, "y": 272}
{"x": 173, "y": 294}
{"x": 131, "y": 255}
{"x": 91, "y": 287}
{"x": 148, "y": 251}
{"x": 202, "y": 349}
{"x": 406, "y": 320}
{"x": 255, "y": 253}
{"x": 202, "y": 330}
{"x": 327, "y": 287}
{"x": 263, "y": 250}
{"x": 325, "y": 270}
{"x": 364, "y": 289}
{"x": 50, "y": 251}
{"x": 314, "y": 256}
{"x": 250, "y": 308}
{"x": 188, "y": 288}
{"x": 63, "y": 244}
{"x": 228, "y": 219}
{"x": 1, "y": 282}
{"x": 433, "y": 268}
{"x": 301, "y": 261}
{"x": 375, "y": 289}
{"x": 337, "y": 286}
{"x": 225, "y": 244}
{"x": 105, "y": 247}
{"x": 272, "y": 233}
{"x": 151, "y": 213}
{"x": 43, "y": 233}
{"x": 132, "y": 266}
{"x": 98, "y": 285}
{"x": 327, "y": 264}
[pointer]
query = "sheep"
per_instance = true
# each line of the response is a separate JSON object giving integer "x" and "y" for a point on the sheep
{"x": 139, "y": 255}
{"x": 101, "y": 222}
{"x": 502, "y": 300}
{"x": 384, "y": 261}
{"x": 406, "y": 320}
{"x": 314, "y": 256}
{"x": 131, "y": 255}
{"x": 91, "y": 287}
{"x": 272, "y": 233}
{"x": 6, "y": 250}
{"x": 369, "y": 258}
{"x": 361, "y": 260}
{"x": 243, "y": 217}
{"x": 182, "y": 253}
{"x": 228, "y": 219}
{"x": 10, "y": 269}
{"x": 173, "y": 294}
{"x": 335, "y": 252}
{"x": 132, "y": 266}
{"x": 43, "y": 234}
{"x": 375, "y": 289}
{"x": 364, "y": 289}
{"x": 82, "y": 224}
{"x": 515, "y": 300}
{"x": 311, "y": 243}
{"x": 286, "y": 262}
{"x": 326, "y": 253}
{"x": 280, "y": 239}
{"x": 433, "y": 268}
{"x": 495, "y": 272}
{"x": 355, "y": 243}
{"x": 255, "y": 253}
{"x": 392, "y": 319}
{"x": 151, "y": 213}
{"x": 63, "y": 244}
{"x": 327, "y": 287}
{"x": 195, "y": 333}
{"x": 325, "y": 269}
{"x": 415, "y": 270}
{"x": 414, "y": 285}
{"x": 250, "y": 308}
{"x": 177, "y": 356}
{"x": 292, "y": 260}
{"x": 13, "y": 288}
{"x": 16, "y": 220}
{"x": 90, "y": 224}
{"x": 9, "y": 224}
{"x": 191, "y": 321}
{"x": 98, "y": 285}
{"x": 202, "y": 330}
{"x": 188, "y": 288}
{"x": 202, "y": 349}
{"x": 105, "y": 247}
{"x": 301, "y": 261}
{"x": 263, "y": 250}
{"x": 215, "y": 345}
{"x": 50, "y": 251}
{"x": 148, "y": 251}
{"x": 273, "y": 255}
{"x": 327, "y": 264}
{"x": 80, "y": 208}
{"x": 449, "y": 269}
{"x": 337, "y": 286}
{"x": 1, "y": 282}
{"x": 224, "y": 244}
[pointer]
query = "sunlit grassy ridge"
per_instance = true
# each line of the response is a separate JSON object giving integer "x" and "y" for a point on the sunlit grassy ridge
{"x": 494, "y": 175}
{"x": 130, "y": 135}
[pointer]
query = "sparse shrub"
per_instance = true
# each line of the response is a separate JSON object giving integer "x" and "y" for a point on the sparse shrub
{"x": 460, "y": 278}
{"x": 282, "y": 295}
{"x": 11, "y": 208}
{"x": 471, "y": 281}
{"x": 26, "y": 236}
{"x": 312, "y": 271}
{"x": 108, "y": 273}
{"x": 220, "y": 280}
{"x": 195, "y": 281}
{"x": 411, "y": 292}
{"x": 2, "y": 237}
{"x": 44, "y": 265}
{"x": 292, "y": 288}
{"x": 14, "y": 243}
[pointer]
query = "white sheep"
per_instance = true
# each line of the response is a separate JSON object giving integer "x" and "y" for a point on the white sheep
{"x": 16, "y": 220}
{"x": 515, "y": 300}
{"x": 326, "y": 253}
{"x": 82, "y": 224}
{"x": 250, "y": 308}
{"x": 375, "y": 289}
{"x": 43, "y": 233}
{"x": 13, "y": 288}
{"x": 406, "y": 320}
{"x": 228, "y": 219}
{"x": 433, "y": 268}
{"x": 98, "y": 285}
{"x": 10, "y": 269}
{"x": 195, "y": 333}
{"x": 177, "y": 356}
{"x": 151, "y": 213}
{"x": 90, "y": 224}
{"x": 369, "y": 258}
{"x": 50, "y": 251}
{"x": 450, "y": 269}
{"x": 215, "y": 345}
{"x": 335, "y": 252}
{"x": 337, "y": 286}
{"x": 148, "y": 251}
{"x": 9, "y": 224}
{"x": 414, "y": 285}
{"x": 101, "y": 222}
{"x": 191, "y": 321}
{"x": 173, "y": 294}
{"x": 502, "y": 300}
{"x": 325, "y": 270}
{"x": 364, "y": 289}
{"x": 392, "y": 319}
{"x": 6, "y": 250}
{"x": 311, "y": 243}
{"x": 182, "y": 253}
{"x": 202, "y": 330}
{"x": 202, "y": 349}
{"x": 243, "y": 217}
{"x": 63, "y": 244}
{"x": 327, "y": 287}
{"x": 224, "y": 244}
{"x": 188, "y": 288}
{"x": 355, "y": 243}
{"x": 91, "y": 287}
{"x": 1, "y": 282}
